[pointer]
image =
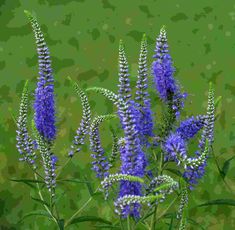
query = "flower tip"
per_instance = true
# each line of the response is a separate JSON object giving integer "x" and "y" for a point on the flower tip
{"x": 163, "y": 27}
{"x": 121, "y": 44}
{"x": 210, "y": 85}
{"x": 69, "y": 78}
{"x": 28, "y": 13}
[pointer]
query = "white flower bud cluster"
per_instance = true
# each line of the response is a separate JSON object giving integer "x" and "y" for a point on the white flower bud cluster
{"x": 163, "y": 184}
{"x": 105, "y": 92}
{"x": 208, "y": 131}
{"x": 183, "y": 203}
{"x": 195, "y": 162}
{"x": 113, "y": 178}
{"x": 84, "y": 126}
{"x": 122, "y": 202}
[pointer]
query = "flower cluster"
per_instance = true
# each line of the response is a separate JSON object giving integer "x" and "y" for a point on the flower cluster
{"x": 124, "y": 86}
{"x": 195, "y": 167}
{"x": 163, "y": 71}
{"x": 125, "y": 201}
{"x": 133, "y": 160}
{"x": 142, "y": 99}
{"x": 136, "y": 119}
{"x": 175, "y": 148}
{"x": 101, "y": 164}
{"x": 113, "y": 178}
{"x": 162, "y": 185}
{"x": 183, "y": 203}
{"x": 208, "y": 131}
{"x": 84, "y": 126}
{"x": 44, "y": 94}
{"x": 25, "y": 144}
{"x": 44, "y": 128}
{"x": 115, "y": 149}
{"x": 49, "y": 161}
{"x": 190, "y": 127}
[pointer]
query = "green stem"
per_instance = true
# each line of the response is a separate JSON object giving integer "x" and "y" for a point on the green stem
{"x": 164, "y": 212}
{"x": 121, "y": 224}
{"x": 79, "y": 210}
{"x": 62, "y": 167}
{"x": 128, "y": 223}
{"x": 34, "y": 171}
{"x": 153, "y": 221}
{"x": 217, "y": 165}
{"x": 41, "y": 197}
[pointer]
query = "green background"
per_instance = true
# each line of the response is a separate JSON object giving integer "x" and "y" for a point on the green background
{"x": 83, "y": 37}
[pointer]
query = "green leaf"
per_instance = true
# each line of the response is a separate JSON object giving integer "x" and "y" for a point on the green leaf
{"x": 171, "y": 223}
{"x": 174, "y": 171}
{"x": 226, "y": 166}
{"x": 191, "y": 221}
{"x": 106, "y": 226}
{"x": 27, "y": 182}
{"x": 218, "y": 101}
{"x": 73, "y": 180}
{"x": 40, "y": 201}
{"x": 89, "y": 187}
{"x": 36, "y": 213}
{"x": 89, "y": 218}
{"x": 61, "y": 224}
{"x": 229, "y": 202}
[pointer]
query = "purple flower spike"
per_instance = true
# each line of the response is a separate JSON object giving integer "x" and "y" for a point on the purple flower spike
{"x": 145, "y": 121}
{"x": 124, "y": 81}
{"x": 100, "y": 164}
{"x": 133, "y": 160}
{"x": 175, "y": 148}
{"x": 44, "y": 104}
{"x": 25, "y": 145}
{"x": 190, "y": 127}
{"x": 163, "y": 73}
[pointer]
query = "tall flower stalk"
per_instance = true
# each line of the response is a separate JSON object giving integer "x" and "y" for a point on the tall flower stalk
{"x": 145, "y": 121}
{"x": 25, "y": 145}
{"x": 167, "y": 87}
{"x": 44, "y": 104}
{"x": 44, "y": 107}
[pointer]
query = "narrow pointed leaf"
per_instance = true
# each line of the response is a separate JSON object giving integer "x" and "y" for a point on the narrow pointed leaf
{"x": 229, "y": 202}
{"x": 74, "y": 180}
{"x": 40, "y": 201}
{"x": 36, "y": 213}
{"x": 61, "y": 224}
{"x": 89, "y": 219}
{"x": 226, "y": 166}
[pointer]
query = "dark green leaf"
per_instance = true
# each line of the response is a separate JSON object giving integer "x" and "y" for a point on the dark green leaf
{"x": 89, "y": 218}
{"x": 40, "y": 201}
{"x": 191, "y": 221}
{"x": 27, "y": 182}
{"x": 226, "y": 166}
{"x": 145, "y": 216}
{"x": 171, "y": 223}
{"x": 106, "y": 226}
{"x": 97, "y": 193}
{"x": 61, "y": 224}
{"x": 89, "y": 187}
{"x": 174, "y": 171}
{"x": 229, "y": 202}
{"x": 36, "y": 213}
{"x": 73, "y": 180}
